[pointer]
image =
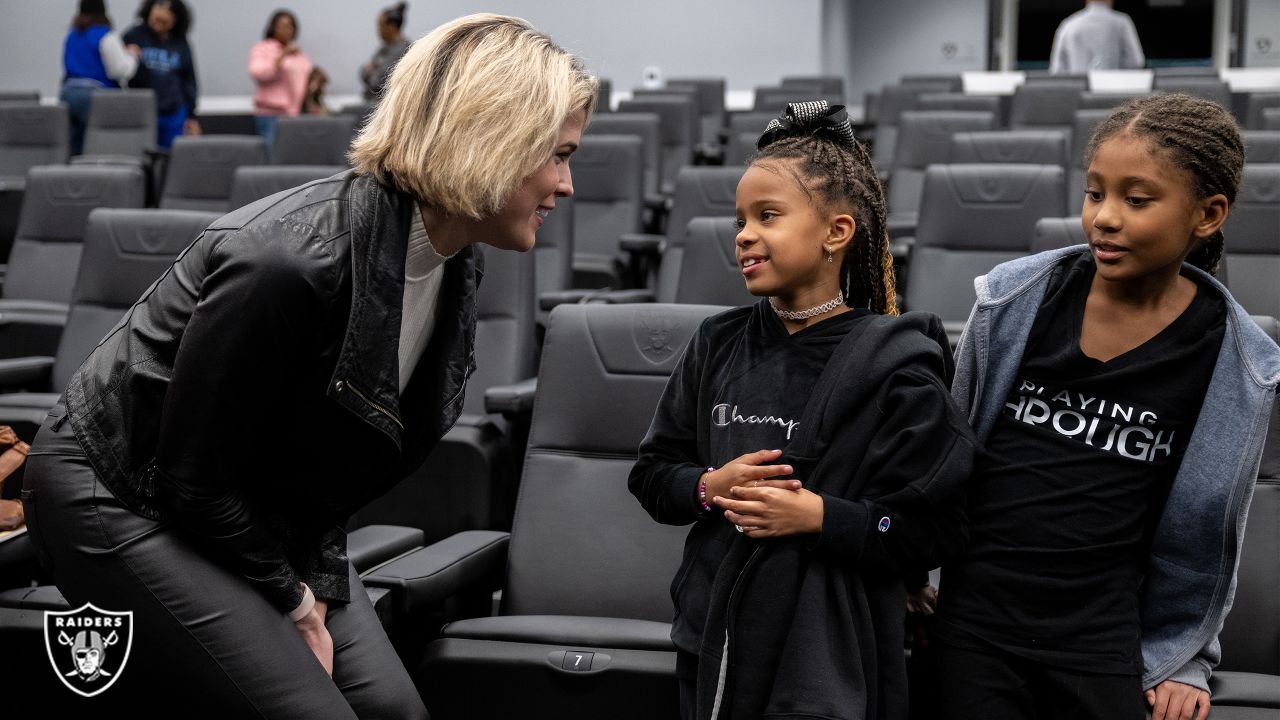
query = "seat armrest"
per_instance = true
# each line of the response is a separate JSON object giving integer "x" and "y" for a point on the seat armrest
{"x": 513, "y": 399}
{"x": 553, "y": 298}
{"x": 467, "y": 561}
{"x": 25, "y": 373}
{"x": 623, "y": 297}
{"x": 646, "y": 243}
{"x": 373, "y": 545}
{"x": 900, "y": 248}
{"x": 30, "y": 328}
{"x": 902, "y": 225}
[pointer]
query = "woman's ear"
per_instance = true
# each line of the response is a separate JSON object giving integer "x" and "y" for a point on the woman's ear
{"x": 1213, "y": 213}
{"x": 840, "y": 232}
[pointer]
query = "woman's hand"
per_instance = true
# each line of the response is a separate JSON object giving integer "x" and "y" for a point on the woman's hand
{"x": 745, "y": 469}
{"x": 766, "y": 510}
{"x": 317, "y": 635}
{"x": 191, "y": 126}
{"x": 1171, "y": 700}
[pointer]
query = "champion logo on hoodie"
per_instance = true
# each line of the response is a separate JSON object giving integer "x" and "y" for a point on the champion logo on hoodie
{"x": 726, "y": 414}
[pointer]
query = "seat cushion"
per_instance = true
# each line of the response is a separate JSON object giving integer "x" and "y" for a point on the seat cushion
{"x": 1244, "y": 689}
{"x": 621, "y": 633}
{"x": 42, "y": 597}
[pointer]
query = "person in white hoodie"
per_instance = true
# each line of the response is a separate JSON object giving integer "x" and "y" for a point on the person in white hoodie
{"x": 1096, "y": 38}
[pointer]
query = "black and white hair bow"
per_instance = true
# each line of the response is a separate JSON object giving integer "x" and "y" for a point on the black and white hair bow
{"x": 814, "y": 117}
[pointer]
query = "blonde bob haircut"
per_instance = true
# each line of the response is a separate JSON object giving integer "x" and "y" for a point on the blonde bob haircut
{"x": 470, "y": 111}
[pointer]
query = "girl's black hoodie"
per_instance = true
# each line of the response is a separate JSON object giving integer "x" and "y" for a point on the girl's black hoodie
{"x": 881, "y": 441}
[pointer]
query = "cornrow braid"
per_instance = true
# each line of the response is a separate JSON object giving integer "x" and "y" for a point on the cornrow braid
{"x": 843, "y": 176}
{"x": 1198, "y": 136}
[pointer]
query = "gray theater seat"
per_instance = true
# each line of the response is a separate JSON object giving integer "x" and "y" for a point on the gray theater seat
{"x": 710, "y": 91}
{"x": 122, "y": 125}
{"x": 1037, "y": 147}
{"x": 47, "y": 246}
{"x": 1252, "y": 234}
{"x": 583, "y": 629}
{"x": 313, "y": 140}
{"x": 961, "y": 101}
{"x": 740, "y": 149}
{"x": 1261, "y": 146}
{"x": 972, "y": 218}
{"x": 1105, "y": 101}
{"x": 254, "y": 182}
{"x": 700, "y": 192}
{"x": 1057, "y": 232}
{"x": 1083, "y": 123}
{"x": 1249, "y": 675}
{"x": 1271, "y": 118}
{"x": 608, "y": 202}
{"x": 201, "y": 169}
{"x": 553, "y": 252}
{"x": 924, "y": 138}
{"x": 1257, "y": 103}
{"x": 644, "y": 126}
{"x": 30, "y": 134}
{"x": 894, "y": 100}
{"x": 824, "y": 84}
{"x": 1044, "y": 105}
{"x": 775, "y": 99}
{"x": 604, "y": 95}
{"x": 945, "y": 83}
{"x": 1208, "y": 87}
{"x": 709, "y": 274}
{"x": 677, "y": 128}
{"x": 467, "y": 482}
{"x": 125, "y": 251}
{"x": 19, "y": 96}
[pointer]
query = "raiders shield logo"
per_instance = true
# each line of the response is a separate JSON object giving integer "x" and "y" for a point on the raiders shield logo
{"x": 88, "y": 647}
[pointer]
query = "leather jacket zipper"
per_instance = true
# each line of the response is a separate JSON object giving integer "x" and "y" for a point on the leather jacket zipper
{"x": 341, "y": 384}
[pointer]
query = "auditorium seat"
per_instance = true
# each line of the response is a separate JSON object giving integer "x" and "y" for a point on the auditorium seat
{"x": 30, "y": 135}
{"x": 604, "y": 95}
{"x": 1271, "y": 118}
{"x": 1257, "y": 103}
{"x": 1083, "y": 123}
{"x": 924, "y": 138}
{"x": 1249, "y": 674}
{"x": 608, "y": 202}
{"x": 822, "y": 84}
{"x": 700, "y": 192}
{"x": 943, "y": 83}
{"x": 313, "y": 140}
{"x": 709, "y": 273}
{"x": 1252, "y": 234}
{"x": 893, "y": 101}
{"x": 201, "y": 168}
{"x": 47, "y": 247}
{"x": 19, "y": 96}
{"x": 1039, "y": 147}
{"x": 740, "y": 149}
{"x": 125, "y": 251}
{"x": 1209, "y": 88}
{"x": 467, "y": 481}
{"x": 553, "y": 251}
{"x": 121, "y": 127}
{"x": 1057, "y": 232}
{"x": 710, "y": 92}
{"x": 1105, "y": 101}
{"x": 1044, "y": 106}
{"x": 254, "y": 182}
{"x": 973, "y": 217}
{"x": 583, "y": 626}
{"x": 645, "y": 126}
{"x": 775, "y": 99}
{"x": 1261, "y": 146}
{"x": 677, "y": 128}
{"x": 961, "y": 101}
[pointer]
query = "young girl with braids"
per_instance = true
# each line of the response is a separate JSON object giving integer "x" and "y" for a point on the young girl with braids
{"x": 1122, "y": 397}
{"x": 811, "y": 442}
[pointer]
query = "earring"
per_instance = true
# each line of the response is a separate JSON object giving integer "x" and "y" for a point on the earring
{"x": 830, "y": 255}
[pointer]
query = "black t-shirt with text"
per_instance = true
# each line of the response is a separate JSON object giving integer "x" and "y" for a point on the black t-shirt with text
{"x": 1074, "y": 478}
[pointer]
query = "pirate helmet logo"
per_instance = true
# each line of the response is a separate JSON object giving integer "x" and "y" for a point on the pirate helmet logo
{"x": 88, "y": 647}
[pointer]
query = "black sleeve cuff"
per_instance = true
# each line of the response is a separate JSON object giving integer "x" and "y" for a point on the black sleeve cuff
{"x": 844, "y": 527}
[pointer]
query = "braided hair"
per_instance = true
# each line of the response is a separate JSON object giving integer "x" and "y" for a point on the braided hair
{"x": 1199, "y": 137}
{"x": 842, "y": 174}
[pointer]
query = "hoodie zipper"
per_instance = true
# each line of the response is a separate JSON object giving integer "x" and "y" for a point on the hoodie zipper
{"x": 730, "y": 616}
{"x": 341, "y": 384}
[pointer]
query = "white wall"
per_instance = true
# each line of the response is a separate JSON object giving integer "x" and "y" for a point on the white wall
{"x": 750, "y": 42}
{"x": 907, "y": 37}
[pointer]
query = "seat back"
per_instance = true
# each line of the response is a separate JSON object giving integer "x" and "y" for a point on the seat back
{"x": 924, "y": 138}
{"x": 1251, "y": 635}
{"x": 1041, "y": 104}
{"x": 1261, "y": 146}
{"x": 1038, "y": 147}
{"x": 824, "y": 84}
{"x": 944, "y": 83}
{"x": 709, "y": 273}
{"x": 604, "y": 95}
{"x": 893, "y": 101}
{"x": 121, "y": 122}
{"x": 775, "y": 99}
{"x": 125, "y": 251}
{"x": 645, "y": 126}
{"x": 1271, "y": 118}
{"x": 313, "y": 140}
{"x": 553, "y": 252}
{"x": 973, "y": 217}
{"x": 677, "y": 129}
{"x": 1252, "y": 234}
{"x": 608, "y": 181}
{"x": 254, "y": 182}
{"x": 710, "y": 93}
{"x": 1057, "y": 232}
{"x": 741, "y": 148}
{"x": 51, "y": 224}
{"x": 700, "y": 192}
{"x": 1257, "y": 102}
{"x": 30, "y": 135}
{"x": 580, "y": 543}
{"x": 201, "y": 169}
{"x": 961, "y": 101}
{"x": 505, "y": 323}
{"x": 1208, "y": 87}
{"x": 1105, "y": 101}
{"x": 1083, "y": 123}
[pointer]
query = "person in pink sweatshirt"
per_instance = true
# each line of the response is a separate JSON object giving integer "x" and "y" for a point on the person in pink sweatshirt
{"x": 280, "y": 69}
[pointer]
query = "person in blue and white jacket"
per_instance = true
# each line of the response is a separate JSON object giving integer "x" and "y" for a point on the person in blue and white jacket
{"x": 93, "y": 58}
{"x": 1122, "y": 398}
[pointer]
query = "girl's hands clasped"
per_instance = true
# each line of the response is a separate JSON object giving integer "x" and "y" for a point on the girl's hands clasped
{"x": 760, "y": 507}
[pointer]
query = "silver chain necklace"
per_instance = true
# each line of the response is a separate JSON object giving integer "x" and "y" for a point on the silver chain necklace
{"x": 825, "y": 307}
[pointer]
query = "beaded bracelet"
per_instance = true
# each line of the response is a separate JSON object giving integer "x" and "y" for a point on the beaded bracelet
{"x": 702, "y": 492}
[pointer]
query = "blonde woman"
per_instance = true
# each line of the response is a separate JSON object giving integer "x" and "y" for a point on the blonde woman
{"x": 305, "y": 354}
